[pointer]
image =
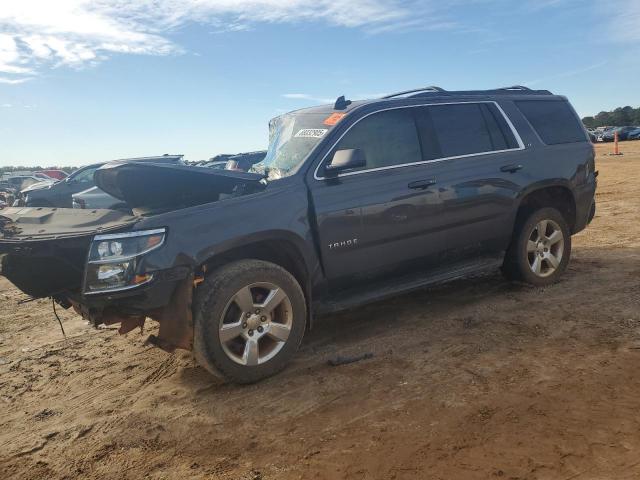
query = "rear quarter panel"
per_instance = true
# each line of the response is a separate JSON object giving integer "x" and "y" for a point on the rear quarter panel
{"x": 571, "y": 165}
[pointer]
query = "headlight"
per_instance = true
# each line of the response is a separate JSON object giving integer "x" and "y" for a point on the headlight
{"x": 113, "y": 259}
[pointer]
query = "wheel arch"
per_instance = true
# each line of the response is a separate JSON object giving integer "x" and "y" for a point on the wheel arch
{"x": 284, "y": 249}
{"x": 557, "y": 195}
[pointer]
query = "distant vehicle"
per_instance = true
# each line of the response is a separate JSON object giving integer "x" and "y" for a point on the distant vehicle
{"x": 38, "y": 186}
{"x": 60, "y": 194}
{"x": 23, "y": 181}
{"x": 17, "y": 173}
{"x": 623, "y": 133}
{"x": 634, "y": 134}
{"x": 216, "y": 164}
{"x": 42, "y": 176}
{"x": 244, "y": 161}
{"x": 93, "y": 198}
{"x": 55, "y": 174}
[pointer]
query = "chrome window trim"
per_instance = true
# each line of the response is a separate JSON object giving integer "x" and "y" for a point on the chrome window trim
{"x": 423, "y": 162}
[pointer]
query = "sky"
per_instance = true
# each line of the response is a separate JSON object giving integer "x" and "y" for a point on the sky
{"x": 85, "y": 81}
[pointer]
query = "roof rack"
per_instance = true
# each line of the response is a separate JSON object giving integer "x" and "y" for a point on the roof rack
{"x": 417, "y": 90}
{"x": 516, "y": 87}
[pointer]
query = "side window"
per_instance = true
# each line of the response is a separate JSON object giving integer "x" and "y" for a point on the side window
{"x": 461, "y": 129}
{"x": 554, "y": 121}
{"x": 86, "y": 176}
{"x": 387, "y": 138}
{"x": 502, "y": 137}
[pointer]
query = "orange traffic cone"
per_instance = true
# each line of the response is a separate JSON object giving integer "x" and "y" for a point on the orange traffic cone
{"x": 616, "y": 146}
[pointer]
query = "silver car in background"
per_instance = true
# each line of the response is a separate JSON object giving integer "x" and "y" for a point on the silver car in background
{"x": 94, "y": 198}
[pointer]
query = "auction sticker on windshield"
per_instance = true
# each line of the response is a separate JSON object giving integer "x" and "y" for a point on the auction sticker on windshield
{"x": 311, "y": 132}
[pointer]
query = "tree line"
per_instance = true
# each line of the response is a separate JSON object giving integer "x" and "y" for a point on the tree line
{"x": 10, "y": 169}
{"x": 620, "y": 117}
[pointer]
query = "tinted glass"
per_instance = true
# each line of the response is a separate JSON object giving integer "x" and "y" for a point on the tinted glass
{"x": 428, "y": 137}
{"x": 554, "y": 121}
{"x": 387, "y": 138}
{"x": 85, "y": 176}
{"x": 461, "y": 129}
{"x": 501, "y": 134}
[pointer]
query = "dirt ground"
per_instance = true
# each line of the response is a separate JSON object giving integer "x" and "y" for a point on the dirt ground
{"x": 478, "y": 379}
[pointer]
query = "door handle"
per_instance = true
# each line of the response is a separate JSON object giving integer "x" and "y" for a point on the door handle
{"x": 422, "y": 184}
{"x": 512, "y": 168}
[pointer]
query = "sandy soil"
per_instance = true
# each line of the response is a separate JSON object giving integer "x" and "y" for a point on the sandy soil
{"x": 478, "y": 379}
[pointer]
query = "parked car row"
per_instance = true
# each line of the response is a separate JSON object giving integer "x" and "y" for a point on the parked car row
{"x": 608, "y": 134}
{"x": 78, "y": 190}
{"x": 94, "y": 198}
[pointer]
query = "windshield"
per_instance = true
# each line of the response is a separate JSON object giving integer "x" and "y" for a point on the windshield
{"x": 291, "y": 138}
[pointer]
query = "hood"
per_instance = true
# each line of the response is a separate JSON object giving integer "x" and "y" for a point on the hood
{"x": 162, "y": 186}
{"x": 35, "y": 224}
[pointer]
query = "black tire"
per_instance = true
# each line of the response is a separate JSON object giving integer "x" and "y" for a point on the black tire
{"x": 517, "y": 260}
{"x": 213, "y": 297}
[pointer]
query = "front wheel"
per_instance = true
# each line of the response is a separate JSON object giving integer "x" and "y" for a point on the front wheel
{"x": 249, "y": 319}
{"x": 540, "y": 250}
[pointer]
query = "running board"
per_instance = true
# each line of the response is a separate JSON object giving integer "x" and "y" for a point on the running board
{"x": 385, "y": 289}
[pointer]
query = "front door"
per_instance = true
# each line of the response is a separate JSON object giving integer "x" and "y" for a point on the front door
{"x": 380, "y": 219}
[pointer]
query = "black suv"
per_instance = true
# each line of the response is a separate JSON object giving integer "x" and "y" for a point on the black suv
{"x": 353, "y": 202}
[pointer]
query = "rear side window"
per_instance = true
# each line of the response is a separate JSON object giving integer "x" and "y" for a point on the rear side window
{"x": 554, "y": 121}
{"x": 461, "y": 129}
{"x": 387, "y": 138}
{"x": 470, "y": 128}
{"x": 501, "y": 135}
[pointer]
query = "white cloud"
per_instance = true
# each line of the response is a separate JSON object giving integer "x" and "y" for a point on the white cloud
{"x": 35, "y": 34}
{"x": 624, "y": 26}
{"x": 566, "y": 74}
{"x": 13, "y": 81}
{"x": 40, "y": 34}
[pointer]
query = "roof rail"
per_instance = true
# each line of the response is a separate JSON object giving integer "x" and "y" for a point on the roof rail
{"x": 516, "y": 87}
{"x": 417, "y": 90}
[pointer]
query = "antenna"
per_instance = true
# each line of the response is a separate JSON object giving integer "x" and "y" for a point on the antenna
{"x": 341, "y": 103}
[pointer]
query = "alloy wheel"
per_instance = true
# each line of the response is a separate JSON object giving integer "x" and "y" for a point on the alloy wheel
{"x": 545, "y": 248}
{"x": 256, "y": 324}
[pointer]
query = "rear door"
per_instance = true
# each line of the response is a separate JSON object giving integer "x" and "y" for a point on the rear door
{"x": 379, "y": 219}
{"x": 480, "y": 172}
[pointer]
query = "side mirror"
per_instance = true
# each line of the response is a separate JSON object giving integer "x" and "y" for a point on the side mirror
{"x": 346, "y": 160}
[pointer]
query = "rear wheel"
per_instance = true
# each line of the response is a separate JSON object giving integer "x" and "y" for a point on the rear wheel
{"x": 540, "y": 249}
{"x": 249, "y": 320}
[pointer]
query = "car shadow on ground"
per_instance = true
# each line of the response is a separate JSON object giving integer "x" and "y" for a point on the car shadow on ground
{"x": 466, "y": 310}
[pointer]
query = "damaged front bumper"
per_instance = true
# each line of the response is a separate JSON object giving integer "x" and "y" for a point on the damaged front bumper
{"x": 47, "y": 253}
{"x": 166, "y": 299}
